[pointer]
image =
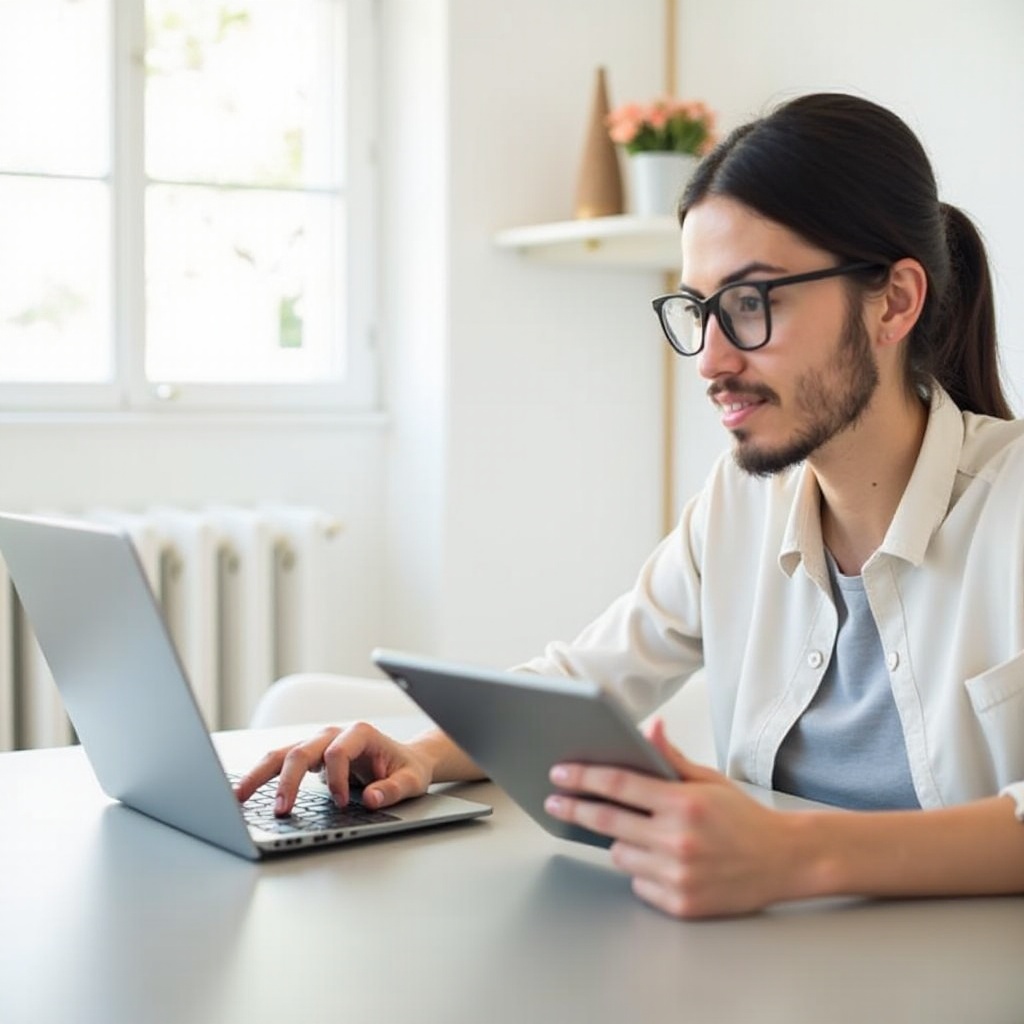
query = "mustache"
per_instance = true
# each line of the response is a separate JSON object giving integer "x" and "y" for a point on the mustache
{"x": 736, "y": 387}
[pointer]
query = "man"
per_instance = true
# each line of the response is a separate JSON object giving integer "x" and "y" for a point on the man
{"x": 851, "y": 579}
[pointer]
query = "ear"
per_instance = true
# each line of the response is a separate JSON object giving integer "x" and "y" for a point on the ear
{"x": 902, "y": 300}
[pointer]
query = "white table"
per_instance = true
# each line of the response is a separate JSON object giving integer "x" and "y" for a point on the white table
{"x": 109, "y": 918}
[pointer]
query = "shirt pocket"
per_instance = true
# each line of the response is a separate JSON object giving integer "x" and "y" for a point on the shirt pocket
{"x": 997, "y": 696}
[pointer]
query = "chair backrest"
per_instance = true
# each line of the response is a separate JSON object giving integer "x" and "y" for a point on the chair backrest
{"x": 318, "y": 698}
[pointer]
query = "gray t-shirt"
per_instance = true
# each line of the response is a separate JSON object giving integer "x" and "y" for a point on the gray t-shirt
{"x": 847, "y": 748}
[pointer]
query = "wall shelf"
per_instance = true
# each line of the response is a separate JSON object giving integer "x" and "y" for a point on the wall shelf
{"x": 624, "y": 242}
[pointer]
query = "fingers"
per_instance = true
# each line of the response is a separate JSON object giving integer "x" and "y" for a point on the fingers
{"x": 401, "y": 785}
{"x": 630, "y": 805}
{"x": 676, "y": 902}
{"x": 599, "y": 816}
{"x": 289, "y": 764}
{"x": 618, "y": 785}
{"x": 622, "y": 804}
{"x": 297, "y": 761}
{"x": 263, "y": 771}
{"x": 669, "y": 883}
{"x": 686, "y": 768}
{"x": 693, "y": 848}
{"x": 391, "y": 771}
{"x": 665, "y": 853}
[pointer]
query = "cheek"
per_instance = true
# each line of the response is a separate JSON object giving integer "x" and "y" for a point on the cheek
{"x": 805, "y": 340}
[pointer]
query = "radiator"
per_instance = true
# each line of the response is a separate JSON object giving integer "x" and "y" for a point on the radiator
{"x": 246, "y": 596}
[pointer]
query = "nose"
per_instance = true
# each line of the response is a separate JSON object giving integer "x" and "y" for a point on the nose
{"x": 719, "y": 357}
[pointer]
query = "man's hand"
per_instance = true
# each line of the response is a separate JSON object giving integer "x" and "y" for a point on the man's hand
{"x": 695, "y": 848}
{"x": 390, "y": 771}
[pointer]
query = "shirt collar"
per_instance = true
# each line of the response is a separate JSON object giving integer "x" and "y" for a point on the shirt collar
{"x": 921, "y": 509}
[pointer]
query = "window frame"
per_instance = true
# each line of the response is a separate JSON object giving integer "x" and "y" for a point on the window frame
{"x": 129, "y": 391}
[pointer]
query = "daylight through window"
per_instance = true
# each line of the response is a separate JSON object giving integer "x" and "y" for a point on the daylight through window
{"x": 181, "y": 184}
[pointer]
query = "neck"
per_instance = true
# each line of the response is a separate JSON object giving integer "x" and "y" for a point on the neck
{"x": 863, "y": 473}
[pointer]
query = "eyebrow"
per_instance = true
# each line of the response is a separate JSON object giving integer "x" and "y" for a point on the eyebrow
{"x": 754, "y": 267}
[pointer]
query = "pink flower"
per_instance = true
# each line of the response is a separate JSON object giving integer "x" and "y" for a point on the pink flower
{"x": 624, "y": 122}
{"x": 657, "y": 114}
{"x": 665, "y": 124}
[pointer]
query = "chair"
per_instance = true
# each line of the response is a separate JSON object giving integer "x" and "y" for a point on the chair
{"x": 320, "y": 698}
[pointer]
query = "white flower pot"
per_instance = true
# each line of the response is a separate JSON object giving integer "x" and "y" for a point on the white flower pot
{"x": 657, "y": 181}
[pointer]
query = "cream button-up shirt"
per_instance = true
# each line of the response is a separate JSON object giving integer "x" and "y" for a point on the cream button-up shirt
{"x": 741, "y": 588}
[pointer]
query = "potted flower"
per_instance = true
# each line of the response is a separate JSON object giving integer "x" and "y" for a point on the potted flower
{"x": 664, "y": 140}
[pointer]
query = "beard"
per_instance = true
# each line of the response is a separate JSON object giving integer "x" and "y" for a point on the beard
{"x": 832, "y": 399}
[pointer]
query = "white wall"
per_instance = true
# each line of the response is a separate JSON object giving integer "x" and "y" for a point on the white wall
{"x": 950, "y": 68}
{"x": 524, "y": 491}
{"x": 515, "y": 489}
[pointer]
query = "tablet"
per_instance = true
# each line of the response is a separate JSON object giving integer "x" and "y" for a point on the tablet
{"x": 515, "y": 726}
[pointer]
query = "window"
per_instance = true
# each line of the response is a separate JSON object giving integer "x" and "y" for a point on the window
{"x": 186, "y": 204}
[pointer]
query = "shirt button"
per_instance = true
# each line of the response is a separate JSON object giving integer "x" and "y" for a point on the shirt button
{"x": 892, "y": 659}
{"x": 814, "y": 659}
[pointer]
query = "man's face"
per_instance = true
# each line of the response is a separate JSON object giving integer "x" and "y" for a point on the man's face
{"x": 813, "y": 380}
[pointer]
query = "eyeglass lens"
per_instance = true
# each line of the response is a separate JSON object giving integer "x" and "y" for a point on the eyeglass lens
{"x": 741, "y": 311}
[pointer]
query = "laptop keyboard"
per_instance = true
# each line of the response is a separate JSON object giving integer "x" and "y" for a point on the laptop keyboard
{"x": 313, "y": 812}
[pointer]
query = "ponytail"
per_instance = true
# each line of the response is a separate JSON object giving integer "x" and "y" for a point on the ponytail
{"x": 956, "y": 343}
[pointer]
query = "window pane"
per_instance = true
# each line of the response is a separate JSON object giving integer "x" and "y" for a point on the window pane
{"x": 55, "y": 86}
{"x": 240, "y": 286}
{"x": 244, "y": 92}
{"x": 55, "y": 304}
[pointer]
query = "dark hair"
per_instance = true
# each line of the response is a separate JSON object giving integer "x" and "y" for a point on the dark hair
{"x": 852, "y": 178}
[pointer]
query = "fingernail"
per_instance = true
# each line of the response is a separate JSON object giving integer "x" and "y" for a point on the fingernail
{"x": 554, "y": 804}
{"x": 279, "y": 804}
{"x": 559, "y": 773}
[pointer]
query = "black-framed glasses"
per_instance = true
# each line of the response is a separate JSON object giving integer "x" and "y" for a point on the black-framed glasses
{"x": 742, "y": 309}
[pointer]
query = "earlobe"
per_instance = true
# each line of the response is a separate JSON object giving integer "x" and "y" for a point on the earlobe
{"x": 905, "y": 293}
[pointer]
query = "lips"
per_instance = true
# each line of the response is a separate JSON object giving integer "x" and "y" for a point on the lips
{"x": 737, "y": 411}
{"x": 730, "y": 407}
{"x": 737, "y": 404}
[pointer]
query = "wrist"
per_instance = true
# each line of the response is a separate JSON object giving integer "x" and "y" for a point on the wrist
{"x": 444, "y": 761}
{"x": 424, "y": 749}
{"x": 817, "y": 865}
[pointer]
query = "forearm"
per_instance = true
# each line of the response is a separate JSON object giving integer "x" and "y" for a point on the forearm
{"x": 973, "y": 849}
{"x": 449, "y": 762}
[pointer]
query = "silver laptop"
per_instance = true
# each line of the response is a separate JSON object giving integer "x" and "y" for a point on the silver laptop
{"x": 125, "y": 690}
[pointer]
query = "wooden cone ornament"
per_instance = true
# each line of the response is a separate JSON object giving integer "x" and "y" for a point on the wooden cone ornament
{"x": 599, "y": 186}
